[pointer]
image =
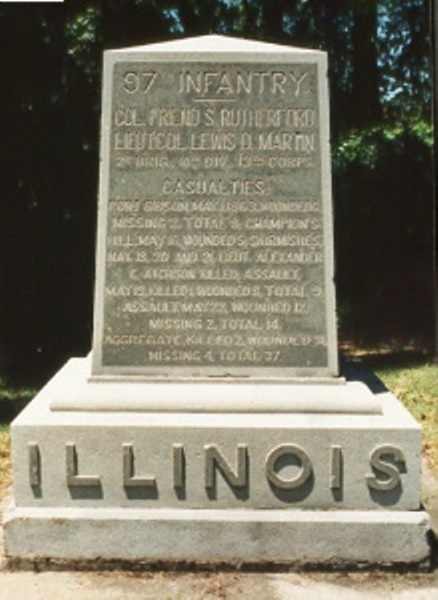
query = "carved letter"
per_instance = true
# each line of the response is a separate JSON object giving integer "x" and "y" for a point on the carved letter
{"x": 129, "y": 478}
{"x": 214, "y": 460}
{"x": 131, "y": 82}
{"x": 294, "y": 482}
{"x": 71, "y": 463}
{"x": 387, "y": 468}
{"x": 336, "y": 461}
{"x": 178, "y": 465}
{"x": 298, "y": 80}
{"x": 34, "y": 464}
{"x": 148, "y": 80}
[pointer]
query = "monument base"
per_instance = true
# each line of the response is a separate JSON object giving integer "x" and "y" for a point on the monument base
{"x": 345, "y": 537}
{"x": 214, "y": 486}
{"x": 74, "y": 389}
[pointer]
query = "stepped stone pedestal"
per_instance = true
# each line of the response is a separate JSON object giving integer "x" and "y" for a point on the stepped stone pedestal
{"x": 210, "y": 422}
{"x": 130, "y": 485}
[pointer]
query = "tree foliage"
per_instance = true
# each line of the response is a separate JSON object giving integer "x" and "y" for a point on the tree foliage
{"x": 49, "y": 107}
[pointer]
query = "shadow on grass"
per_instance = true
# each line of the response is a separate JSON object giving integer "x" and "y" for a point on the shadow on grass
{"x": 394, "y": 355}
{"x": 369, "y": 364}
{"x": 11, "y": 407}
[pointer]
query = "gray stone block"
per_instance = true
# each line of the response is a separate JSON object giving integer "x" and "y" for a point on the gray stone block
{"x": 233, "y": 536}
{"x": 187, "y": 460}
{"x": 213, "y": 425}
{"x": 74, "y": 390}
{"x": 215, "y": 250}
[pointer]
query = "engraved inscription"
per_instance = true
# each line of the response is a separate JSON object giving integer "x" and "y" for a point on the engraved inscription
{"x": 34, "y": 464}
{"x": 383, "y": 461}
{"x": 273, "y": 466}
{"x": 214, "y": 241}
{"x": 336, "y": 470}
{"x": 285, "y": 467}
{"x": 130, "y": 480}
{"x": 223, "y": 84}
{"x": 74, "y": 479}
{"x": 179, "y": 466}
{"x": 215, "y": 461}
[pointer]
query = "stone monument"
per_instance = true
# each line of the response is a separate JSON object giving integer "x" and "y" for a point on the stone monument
{"x": 210, "y": 422}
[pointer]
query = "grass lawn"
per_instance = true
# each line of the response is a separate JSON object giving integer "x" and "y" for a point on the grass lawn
{"x": 5, "y": 461}
{"x": 417, "y": 388}
{"x": 12, "y": 401}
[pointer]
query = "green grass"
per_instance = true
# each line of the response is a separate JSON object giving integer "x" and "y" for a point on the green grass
{"x": 5, "y": 457}
{"x": 12, "y": 401}
{"x": 16, "y": 394}
{"x": 417, "y": 387}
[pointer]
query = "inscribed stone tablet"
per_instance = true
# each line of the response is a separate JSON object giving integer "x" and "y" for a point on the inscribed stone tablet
{"x": 215, "y": 242}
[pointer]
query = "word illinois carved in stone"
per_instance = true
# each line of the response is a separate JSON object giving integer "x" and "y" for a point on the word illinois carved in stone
{"x": 387, "y": 462}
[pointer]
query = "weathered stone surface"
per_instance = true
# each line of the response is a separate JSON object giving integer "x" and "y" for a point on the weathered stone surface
{"x": 215, "y": 287}
{"x": 304, "y": 537}
{"x": 74, "y": 390}
{"x": 117, "y": 459}
{"x": 215, "y": 232}
{"x": 242, "y": 480}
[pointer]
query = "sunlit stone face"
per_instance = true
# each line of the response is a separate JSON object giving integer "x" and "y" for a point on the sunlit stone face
{"x": 215, "y": 242}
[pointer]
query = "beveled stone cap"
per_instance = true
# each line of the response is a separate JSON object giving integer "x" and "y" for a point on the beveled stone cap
{"x": 218, "y": 43}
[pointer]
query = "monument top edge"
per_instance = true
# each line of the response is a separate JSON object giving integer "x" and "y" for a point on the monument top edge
{"x": 217, "y": 44}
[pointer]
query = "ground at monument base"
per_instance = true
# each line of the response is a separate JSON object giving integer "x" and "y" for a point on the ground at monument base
{"x": 40, "y": 580}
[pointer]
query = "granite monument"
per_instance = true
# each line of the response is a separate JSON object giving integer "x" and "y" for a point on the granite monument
{"x": 211, "y": 422}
